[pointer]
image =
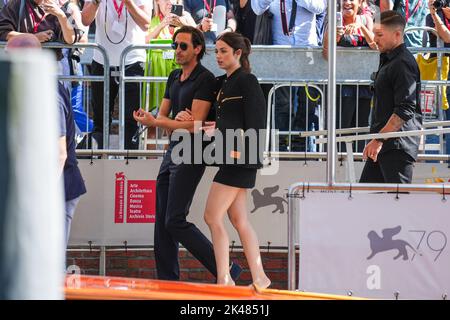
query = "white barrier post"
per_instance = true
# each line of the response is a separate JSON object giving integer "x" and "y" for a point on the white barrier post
{"x": 31, "y": 224}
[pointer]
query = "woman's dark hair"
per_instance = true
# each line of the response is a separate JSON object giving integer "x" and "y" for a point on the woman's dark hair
{"x": 197, "y": 38}
{"x": 238, "y": 41}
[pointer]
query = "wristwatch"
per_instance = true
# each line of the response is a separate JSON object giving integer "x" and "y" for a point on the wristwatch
{"x": 96, "y": 2}
{"x": 380, "y": 140}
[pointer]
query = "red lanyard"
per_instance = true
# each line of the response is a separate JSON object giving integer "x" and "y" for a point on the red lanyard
{"x": 208, "y": 7}
{"x": 34, "y": 20}
{"x": 118, "y": 9}
{"x": 446, "y": 22}
{"x": 419, "y": 3}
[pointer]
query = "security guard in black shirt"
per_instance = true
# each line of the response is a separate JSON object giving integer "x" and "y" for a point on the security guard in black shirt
{"x": 396, "y": 106}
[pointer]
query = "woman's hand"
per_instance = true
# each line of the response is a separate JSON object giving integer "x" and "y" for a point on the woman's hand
{"x": 175, "y": 20}
{"x": 184, "y": 115}
{"x": 352, "y": 28}
{"x": 431, "y": 7}
{"x": 166, "y": 21}
{"x": 44, "y": 36}
{"x": 339, "y": 33}
{"x": 144, "y": 117}
{"x": 52, "y": 7}
{"x": 209, "y": 127}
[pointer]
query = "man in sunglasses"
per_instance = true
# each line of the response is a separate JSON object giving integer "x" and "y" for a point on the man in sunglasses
{"x": 189, "y": 88}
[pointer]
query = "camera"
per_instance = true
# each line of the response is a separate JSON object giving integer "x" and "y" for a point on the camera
{"x": 439, "y": 4}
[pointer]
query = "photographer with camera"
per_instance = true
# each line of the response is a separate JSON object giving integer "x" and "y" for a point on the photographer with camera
{"x": 213, "y": 17}
{"x": 167, "y": 15}
{"x": 119, "y": 24}
{"x": 439, "y": 18}
{"x": 43, "y": 18}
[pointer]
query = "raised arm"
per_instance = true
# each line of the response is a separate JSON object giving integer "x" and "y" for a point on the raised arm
{"x": 52, "y": 7}
{"x": 439, "y": 25}
{"x": 386, "y": 5}
{"x": 314, "y": 6}
{"x": 89, "y": 11}
{"x": 140, "y": 14}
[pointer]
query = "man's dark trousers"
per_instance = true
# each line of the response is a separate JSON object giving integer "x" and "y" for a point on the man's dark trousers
{"x": 175, "y": 189}
{"x": 393, "y": 166}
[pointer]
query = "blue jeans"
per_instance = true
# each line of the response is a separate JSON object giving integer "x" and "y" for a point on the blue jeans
{"x": 71, "y": 205}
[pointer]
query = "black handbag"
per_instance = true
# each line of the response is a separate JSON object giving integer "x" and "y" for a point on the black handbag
{"x": 263, "y": 29}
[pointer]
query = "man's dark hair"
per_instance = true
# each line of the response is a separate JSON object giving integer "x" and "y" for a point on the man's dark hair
{"x": 391, "y": 18}
{"x": 197, "y": 38}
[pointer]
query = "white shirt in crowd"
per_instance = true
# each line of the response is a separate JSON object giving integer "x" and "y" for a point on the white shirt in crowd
{"x": 304, "y": 33}
{"x": 121, "y": 32}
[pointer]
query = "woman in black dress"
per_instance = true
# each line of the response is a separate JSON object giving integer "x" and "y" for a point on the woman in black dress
{"x": 240, "y": 107}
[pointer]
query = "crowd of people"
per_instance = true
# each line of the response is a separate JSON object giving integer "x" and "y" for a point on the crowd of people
{"x": 195, "y": 101}
{"x": 300, "y": 23}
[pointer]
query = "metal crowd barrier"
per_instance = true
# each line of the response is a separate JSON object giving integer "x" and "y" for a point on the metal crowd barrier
{"x": 105, "y": 78}
{"x": 290, "y": 80}
{"x": 350, "y": 139}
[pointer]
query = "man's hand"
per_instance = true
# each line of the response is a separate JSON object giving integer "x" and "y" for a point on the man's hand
{"x": 372, "y": 150}
{"x": 44, "y": 36}
{"x": 184, "y": 115}
{"x": 207, "y": 24}
{"x": 144, "y": 117}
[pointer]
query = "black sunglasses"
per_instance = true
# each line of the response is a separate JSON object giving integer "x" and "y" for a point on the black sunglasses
{"x": 183, "y": 46}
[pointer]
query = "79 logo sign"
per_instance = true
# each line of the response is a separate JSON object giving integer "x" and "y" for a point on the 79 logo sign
{"x": 434, "y": 241}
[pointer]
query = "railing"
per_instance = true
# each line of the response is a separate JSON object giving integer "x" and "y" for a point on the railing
{"x": 105, "y": 78}
{"x": 276, "y": 82}
{"x": 322, "y": 156}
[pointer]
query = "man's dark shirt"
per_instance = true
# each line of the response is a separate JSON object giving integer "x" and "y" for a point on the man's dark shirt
{"x": 73, "y": 181}
{"x": 397, "y": 87}
{"x": 200, "y": 85}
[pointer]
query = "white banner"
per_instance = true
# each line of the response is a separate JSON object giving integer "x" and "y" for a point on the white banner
{"x": 374, "y": 245}
{"x": 118, "y": 205}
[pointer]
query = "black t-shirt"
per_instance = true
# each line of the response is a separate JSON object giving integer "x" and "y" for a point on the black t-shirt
{"x": 397, "y": 88}
{"x": 200, "y": 85}
{"x": 73, "y": 181}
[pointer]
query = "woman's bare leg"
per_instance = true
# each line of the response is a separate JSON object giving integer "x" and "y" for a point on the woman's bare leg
{"x": 219, "y": 200}
{"x": 238, "y": 217}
